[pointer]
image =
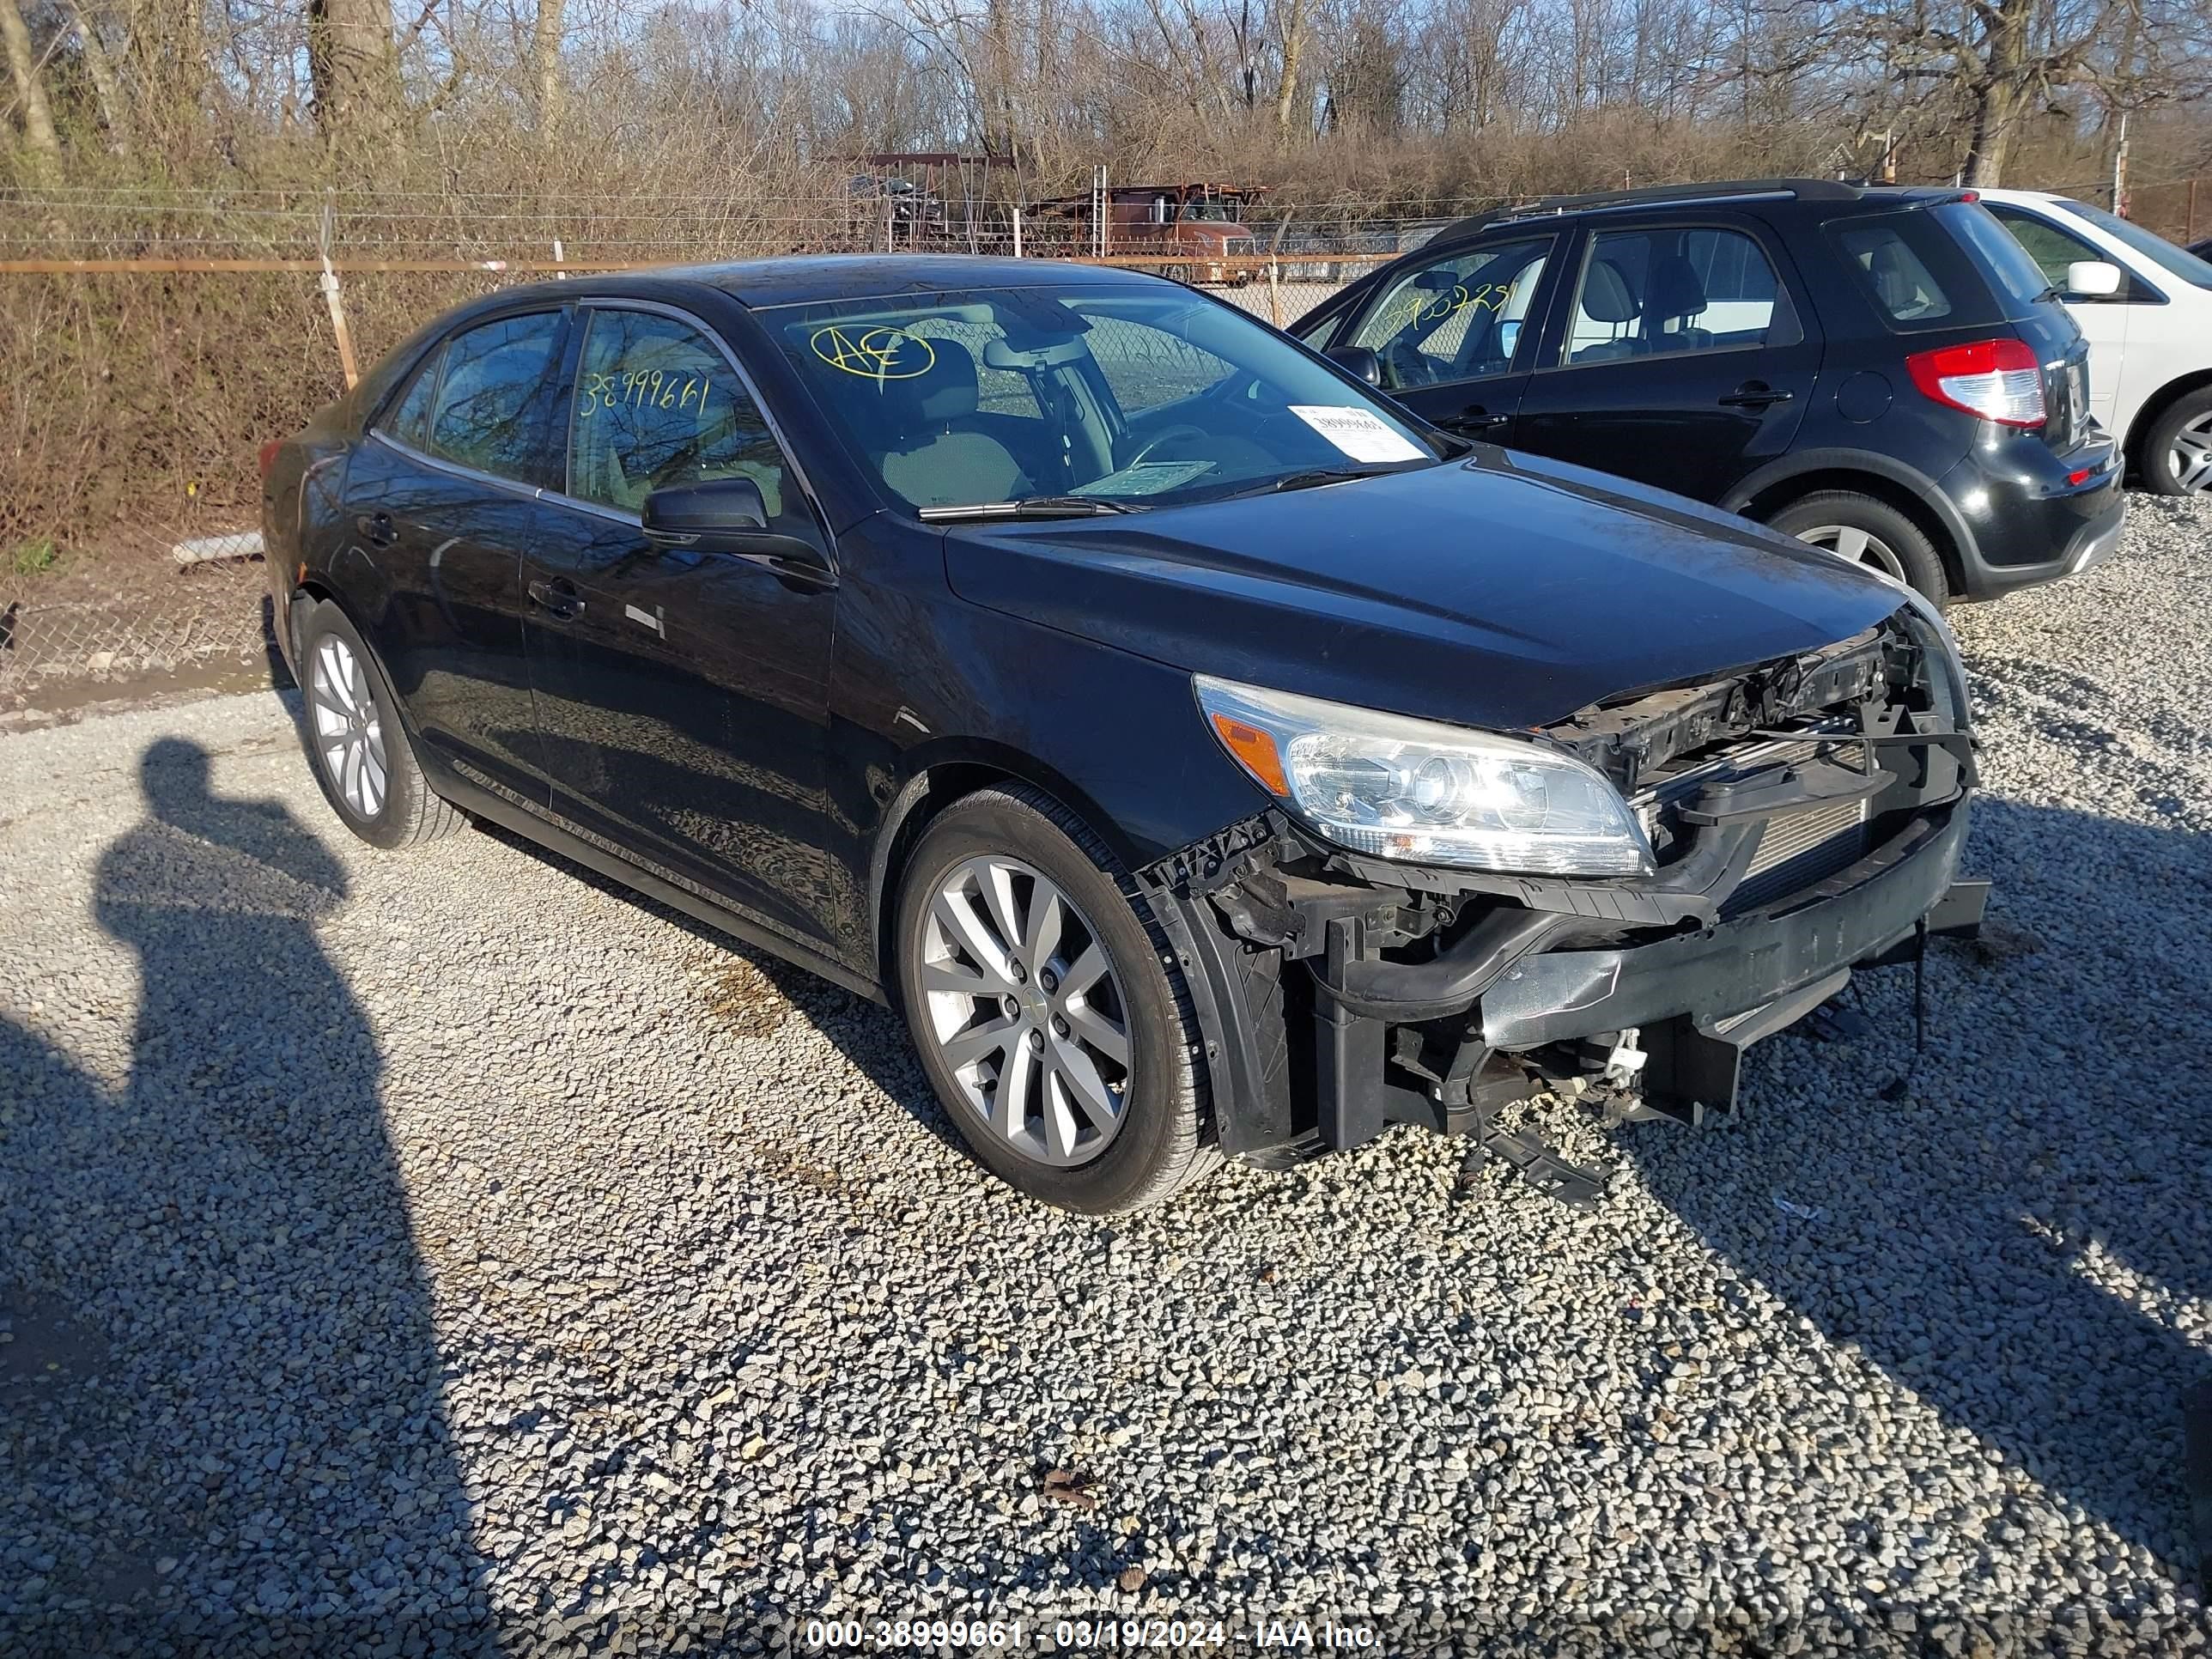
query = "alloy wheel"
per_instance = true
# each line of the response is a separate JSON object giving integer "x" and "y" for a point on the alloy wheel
{"x": 1859, "y": 546}
{"x": 348, "y": 732}
{"x": 1027, "y": 1010}
{"x": 2192, "y": 460}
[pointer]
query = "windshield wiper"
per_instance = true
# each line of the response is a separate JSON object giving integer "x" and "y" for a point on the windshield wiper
{"x": 1316, "y": 477}
{"x": 1032, "y": 507}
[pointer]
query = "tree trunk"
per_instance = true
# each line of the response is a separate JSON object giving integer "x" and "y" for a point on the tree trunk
{"x": 30, "y": 96}
{"x": 1294, "y": 50}
{"x": 1997, "y": 106}
{"x": 99, "y": 68}
{"x": 546, "y": 64}
{"x": 2002, "y": 91}
{"x": 167, "y": 69}
{"x": 353, "y": 67}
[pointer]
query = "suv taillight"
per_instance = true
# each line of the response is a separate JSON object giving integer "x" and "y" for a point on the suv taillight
{"x": 1999, "y": 381}
{"x": 269, "y": 454}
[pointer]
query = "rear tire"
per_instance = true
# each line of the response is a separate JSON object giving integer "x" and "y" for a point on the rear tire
{"x": 2176, "y": 447}
{"x": 1074, "y": 1078}
{"x": 356, "y": 743}
{"x": 1868, "y": 531}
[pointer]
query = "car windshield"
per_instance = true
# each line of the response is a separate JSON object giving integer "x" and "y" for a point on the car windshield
{"x": 1215, "y": 212}
{"x": 2152, "y": 247}
{"x": 1103, "y": 397}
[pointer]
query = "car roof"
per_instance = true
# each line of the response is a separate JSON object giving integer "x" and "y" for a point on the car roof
{"x": 795, "y": 279}
{"x": 811, "y": 276}
{"x": 1830, "y": 192}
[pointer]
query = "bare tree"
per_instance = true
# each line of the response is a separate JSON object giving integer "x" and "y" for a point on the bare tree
{"x": 1293, "y": 25}
{"x": 354, "y": 68}
{"x": 545, "y": 63}
{"x": 39, "y": 136}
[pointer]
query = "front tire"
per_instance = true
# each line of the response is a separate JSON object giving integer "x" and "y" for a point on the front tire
{"x": 2177, "y": 448}
{"x": 1868, "y": 531}
{"x": 1046, "y": 1007}
{"x": 359, "y": 750}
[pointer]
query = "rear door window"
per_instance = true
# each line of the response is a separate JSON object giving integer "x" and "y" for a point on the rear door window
{"x": 657, "y": 403}
{"x": 1664, "y": 291}
{"x": 490, "y": 412}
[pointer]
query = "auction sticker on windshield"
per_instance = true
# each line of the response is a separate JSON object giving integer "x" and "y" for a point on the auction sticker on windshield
{"x": 1359, "y": 433}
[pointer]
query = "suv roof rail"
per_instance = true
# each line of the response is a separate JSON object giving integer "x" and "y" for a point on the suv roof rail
{"x": 1730, "y": 190}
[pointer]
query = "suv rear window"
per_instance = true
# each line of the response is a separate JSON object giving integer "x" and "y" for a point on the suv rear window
{"x": 1996, "y": 249}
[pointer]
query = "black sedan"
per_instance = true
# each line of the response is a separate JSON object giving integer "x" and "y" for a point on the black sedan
{"x": 1206, "y": 757}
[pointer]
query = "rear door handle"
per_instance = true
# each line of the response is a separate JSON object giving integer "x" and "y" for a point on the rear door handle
{"x": 559, "y": 597}
{"x": 377, "y": 528}
{"x": 1755, "y": 394}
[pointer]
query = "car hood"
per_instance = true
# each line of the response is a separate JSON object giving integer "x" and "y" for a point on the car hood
{"x": 1505, "y": 591}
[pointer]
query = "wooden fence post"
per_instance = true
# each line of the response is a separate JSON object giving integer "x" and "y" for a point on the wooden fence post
{"x": 346, "y": 364}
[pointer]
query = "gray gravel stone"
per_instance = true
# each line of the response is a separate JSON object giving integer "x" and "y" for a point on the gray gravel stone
{"x": 414, "y": 1252}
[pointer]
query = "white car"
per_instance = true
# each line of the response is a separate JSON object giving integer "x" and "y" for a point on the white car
{"x": 2149, "y": 333}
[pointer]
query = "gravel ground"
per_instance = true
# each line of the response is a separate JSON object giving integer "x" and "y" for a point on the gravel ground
{"x": 439, "y": 1251}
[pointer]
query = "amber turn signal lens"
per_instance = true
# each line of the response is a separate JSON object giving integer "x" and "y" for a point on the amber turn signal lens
{"x": 1256, "y": 750}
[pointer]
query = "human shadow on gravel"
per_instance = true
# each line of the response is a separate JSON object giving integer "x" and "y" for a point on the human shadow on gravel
{"x": 2053, "y": 1135}
{"x": 248, "y": 1450}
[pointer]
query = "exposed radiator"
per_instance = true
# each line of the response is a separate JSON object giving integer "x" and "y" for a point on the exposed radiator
{"x": 1797, "y": 849}
{"x": 1800, "y": 849}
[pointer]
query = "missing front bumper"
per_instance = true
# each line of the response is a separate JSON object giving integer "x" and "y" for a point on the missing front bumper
{"x": 1300, "y": 1063}
{"x": 1741, "y": 966}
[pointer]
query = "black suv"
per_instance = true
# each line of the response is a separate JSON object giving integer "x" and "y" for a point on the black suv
{"x": 1875, "y": 370}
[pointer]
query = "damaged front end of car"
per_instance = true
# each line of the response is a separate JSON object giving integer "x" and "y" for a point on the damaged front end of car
{"x": 1791, "y": 822}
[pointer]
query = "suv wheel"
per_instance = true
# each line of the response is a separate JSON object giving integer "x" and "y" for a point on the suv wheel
{"x": 2177, "y": 451}
{"x": 1050, "y": 1017}
{"x": 358, "y": 748}
{"x": 1867, "y": 531}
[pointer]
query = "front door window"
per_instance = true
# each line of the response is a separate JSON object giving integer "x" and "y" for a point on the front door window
{"x": 1456, "y": 318}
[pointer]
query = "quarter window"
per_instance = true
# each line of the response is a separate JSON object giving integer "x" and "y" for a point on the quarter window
{"x": 408, "y": 420}
{"x": 1900, "y": 281}
{"x": 489, "y": 409}
{"x": 1663, "y": 292}
{"x": 658, "y": 404}
{"x": 1458, "y": 319}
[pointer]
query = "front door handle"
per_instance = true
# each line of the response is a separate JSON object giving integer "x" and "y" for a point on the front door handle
{"x": 1756, "y": 394}
{"x": 1472, "y": 421}
{"x": 377, "y": 529}
{"x": 558, "y": 596}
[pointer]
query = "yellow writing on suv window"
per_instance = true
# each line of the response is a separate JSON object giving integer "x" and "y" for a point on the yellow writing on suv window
{"x": 877, "y": 354}
{"x": 643, "y": 388}
{"x": 1421, "y": 309}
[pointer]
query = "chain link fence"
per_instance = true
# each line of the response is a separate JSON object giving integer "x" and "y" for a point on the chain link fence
{"x": 207, "y": 611}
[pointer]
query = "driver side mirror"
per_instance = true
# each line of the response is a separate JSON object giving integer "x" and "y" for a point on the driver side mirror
{"x": 2093, "y": 279}
{"x": 730, "y": 517}
{"x": 1359, "y": 362}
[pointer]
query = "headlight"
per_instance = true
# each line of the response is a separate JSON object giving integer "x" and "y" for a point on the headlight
{"x": 1947, "y": 674}
{"x": 1423, "y": 792}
